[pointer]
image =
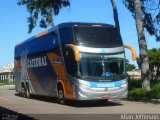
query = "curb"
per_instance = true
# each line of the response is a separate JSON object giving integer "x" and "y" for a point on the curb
{"x": 145, "y": 100}
{"x": 155, "y": 100}
{"x": 7, "y": 85}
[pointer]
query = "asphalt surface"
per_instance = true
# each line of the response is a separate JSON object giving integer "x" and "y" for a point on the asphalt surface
{"x": 13, "y": 107}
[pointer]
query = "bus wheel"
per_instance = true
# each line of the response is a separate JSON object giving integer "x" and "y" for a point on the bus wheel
{"x": 61, "y": 99}
{"x": 23, "y": 91}
{"x": 28, "y": 95}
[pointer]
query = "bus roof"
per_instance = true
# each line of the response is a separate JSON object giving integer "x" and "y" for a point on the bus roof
{"x": 65, "y": 25}
{"x": 44, "y": 40}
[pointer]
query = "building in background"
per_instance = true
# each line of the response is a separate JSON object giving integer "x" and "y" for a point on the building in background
{"x": 6, "y": 73}
{"x": 135, "y": 74}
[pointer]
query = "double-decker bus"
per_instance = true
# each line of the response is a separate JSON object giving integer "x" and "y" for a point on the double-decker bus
{"x": 77, "y": 61}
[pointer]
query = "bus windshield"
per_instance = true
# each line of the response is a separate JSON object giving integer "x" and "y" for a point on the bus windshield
{"x": 101, "y": 65}
{"x": 88, "y": 36}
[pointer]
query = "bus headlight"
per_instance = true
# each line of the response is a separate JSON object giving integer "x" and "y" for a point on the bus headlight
{"x": 86, "y": 87}
{"x": 124, "y": 84}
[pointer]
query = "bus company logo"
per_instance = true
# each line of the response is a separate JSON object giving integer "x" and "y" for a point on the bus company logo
{"x": 105, "y": 85}
{"x": 37, "y": 62}
{"x": 106, "y": 89}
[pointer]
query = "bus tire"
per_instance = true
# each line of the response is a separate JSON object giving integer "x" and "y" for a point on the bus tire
{"x": 28, "y": 95}
{"x": 23, "y": 91}
{"x": 61, "y": 99}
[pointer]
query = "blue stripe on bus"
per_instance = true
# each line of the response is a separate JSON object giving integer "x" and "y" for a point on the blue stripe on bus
{"x": 105, "y": 84}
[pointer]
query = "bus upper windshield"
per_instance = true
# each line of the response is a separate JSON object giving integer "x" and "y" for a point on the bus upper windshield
{"x": 101, "y": 65}
{"x": 88, "y": 36}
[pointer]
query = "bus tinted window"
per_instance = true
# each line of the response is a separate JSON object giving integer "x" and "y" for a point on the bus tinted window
{"x": 97, "y": 36}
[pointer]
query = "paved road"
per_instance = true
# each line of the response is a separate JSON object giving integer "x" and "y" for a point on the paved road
{"x": 14, "y": 106}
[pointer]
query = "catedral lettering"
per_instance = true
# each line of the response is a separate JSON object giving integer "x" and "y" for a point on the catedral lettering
{"x": 77, "y": 61}
{"x": 105, "y": 85}
{"x": 37, "y": 62}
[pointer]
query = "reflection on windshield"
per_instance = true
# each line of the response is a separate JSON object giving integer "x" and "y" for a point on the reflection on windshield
{"x": 101, "y": 65}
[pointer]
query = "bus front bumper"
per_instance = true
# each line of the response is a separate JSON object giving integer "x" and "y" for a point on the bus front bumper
{"x": 101, "y": 93}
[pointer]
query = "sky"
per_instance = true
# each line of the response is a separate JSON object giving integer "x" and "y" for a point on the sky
{"x": 14, "y": 27}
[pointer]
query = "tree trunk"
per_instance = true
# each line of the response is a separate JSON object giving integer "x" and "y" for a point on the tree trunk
{"x": 115, "y": 13}
{"x": 142, "y": 46}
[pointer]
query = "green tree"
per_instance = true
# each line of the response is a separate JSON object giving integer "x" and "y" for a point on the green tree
{"x": 142, "y": 46}
{"x": 150, "y": 14}
{"x": 154, "y": 62}
{"x": 144, "y": 19}
{"x": 45, "y": 9}
{"x": 129, "y": 67}
{"x": 147, "y": 15}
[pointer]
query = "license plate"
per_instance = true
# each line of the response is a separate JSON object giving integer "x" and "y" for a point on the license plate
{"x": 106, "y": 96}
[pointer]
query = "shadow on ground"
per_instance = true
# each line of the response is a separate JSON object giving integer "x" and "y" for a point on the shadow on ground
{"x": 6, "y": 114}
{"x": 73, "y": 103}
{"x": 97, "y": 103}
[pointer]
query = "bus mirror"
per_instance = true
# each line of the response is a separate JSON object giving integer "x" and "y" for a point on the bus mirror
{"x": 132, "y": 50}
{"x": 75, "y": 51}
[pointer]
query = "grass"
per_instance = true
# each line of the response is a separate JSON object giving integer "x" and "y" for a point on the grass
{"x": 6, "y": 83}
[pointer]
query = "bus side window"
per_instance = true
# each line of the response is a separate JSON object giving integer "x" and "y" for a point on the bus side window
{"x": 70, "y": 63}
